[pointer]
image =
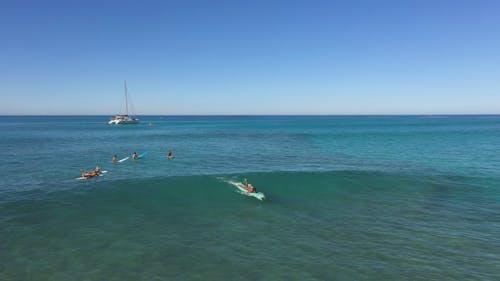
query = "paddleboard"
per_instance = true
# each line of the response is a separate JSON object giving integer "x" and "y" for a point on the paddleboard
{"x": 100, "y": 175}
{"x": 241, "y": 189}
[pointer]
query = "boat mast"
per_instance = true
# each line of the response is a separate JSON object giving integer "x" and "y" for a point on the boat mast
{"x": 126, "y": 99}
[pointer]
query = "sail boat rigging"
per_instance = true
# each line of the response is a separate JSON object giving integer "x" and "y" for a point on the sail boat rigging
{"x": 124, "y": 118}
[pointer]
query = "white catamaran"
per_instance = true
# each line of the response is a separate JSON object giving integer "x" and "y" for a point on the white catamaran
{"x": 124, "y": 118}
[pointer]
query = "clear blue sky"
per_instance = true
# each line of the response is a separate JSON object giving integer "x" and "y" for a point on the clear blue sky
{"x": 250, "y": 57}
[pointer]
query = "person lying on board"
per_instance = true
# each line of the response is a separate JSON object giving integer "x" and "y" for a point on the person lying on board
{"x": 249, "y": 187}
{"x": 95, "y": 172}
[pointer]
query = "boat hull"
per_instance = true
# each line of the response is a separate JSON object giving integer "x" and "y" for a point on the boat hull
{"x": 114, "y": 122}
{"x": 123, "y": 121}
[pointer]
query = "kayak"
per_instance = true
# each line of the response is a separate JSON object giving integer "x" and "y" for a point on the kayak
{"x": 241, "y": 189}
{"x": 100, "y": 175}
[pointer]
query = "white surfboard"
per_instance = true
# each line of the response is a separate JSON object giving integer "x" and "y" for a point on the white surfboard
{"x": 124, "y": 159}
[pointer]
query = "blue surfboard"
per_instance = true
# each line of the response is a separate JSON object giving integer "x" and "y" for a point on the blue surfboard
{"x": 142, "y": 155}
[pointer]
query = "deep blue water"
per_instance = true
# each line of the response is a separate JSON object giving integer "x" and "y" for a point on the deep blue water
{"x": 348, "y": 197}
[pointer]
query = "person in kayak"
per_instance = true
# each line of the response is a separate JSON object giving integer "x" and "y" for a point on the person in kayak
{"x": 115, "y": 159}
{"x": 249, "y": 187}
{"x": 134, "y": 155}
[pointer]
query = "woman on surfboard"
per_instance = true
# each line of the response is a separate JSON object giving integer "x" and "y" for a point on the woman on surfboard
{"x": 115, "y": 159}
{"x": 134, "y": 155}
{"x": 170, "y": 155}
{"x": 95, "y": 172}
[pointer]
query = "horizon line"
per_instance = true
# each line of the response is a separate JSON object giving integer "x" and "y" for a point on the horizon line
{"x": 180, "y": 115}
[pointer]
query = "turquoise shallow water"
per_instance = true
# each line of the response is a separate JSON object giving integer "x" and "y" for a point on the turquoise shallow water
{"x": 349, "y": 198}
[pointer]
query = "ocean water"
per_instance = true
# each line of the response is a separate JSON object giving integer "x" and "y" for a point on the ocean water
{"x": 347, "y": 198}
